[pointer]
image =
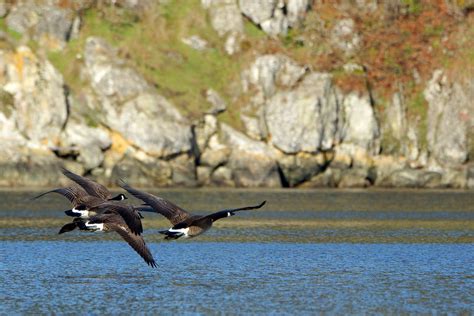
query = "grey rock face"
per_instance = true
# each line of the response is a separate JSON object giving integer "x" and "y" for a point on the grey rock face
{"x": 39, "y": 101}
{"x": 254, "y": 127}
{"x": 412, "y": 147}
{"x": 143, "y": 172}
{"x": 354, "y": 178}
{"x": 227, "y": 21}
{"x": 203, "y": 131}
{"x": 215, "y": 157}
{"x": 222, "y": 176}
{"x": 268, "y": 14}
{"x": 311, "y": 124}
{"x": 454, "y": 178}
{"x": 385, "y": 165}
{"x": 203, "y": 174}
{"x": 109, "y": 75}
{"x": 258, "y": 11}
{"x": 184, "y": 171}
{"x": 225, "y": 16}
{"x": 8, "y": 132}
{"x": 295, "y": 11}
{"x": 252, "y": 162}
{"x": 395, "y": 116}
{"x": 327, "y": 179}
{"x": 28, "y": 166}
{"x": 131, "y": 107}
{"x": 195, "y": 42}
{"x": 88, "y": 141}
{"x": 268, "y": 71}
{"x": 470, "y": 177}
{"x": 48, "y": 24}
{"x": 360, "y": 125}
{"x": 278, "y": 25}
{"x": 218, "y": 104}
{"x": 301, "y": 167}
{"x": 412, "y": 178}
{"x": 31, "y": 116}
{"x": 447, "y": 120}
{"x": 143, "y": 122}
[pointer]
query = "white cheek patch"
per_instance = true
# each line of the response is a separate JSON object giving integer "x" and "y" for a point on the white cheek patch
{"x": 229, "y": 214}
{"x": 183, "y": 231}
{"x": 99, "y": 227}
{"x": 82, "y": 213}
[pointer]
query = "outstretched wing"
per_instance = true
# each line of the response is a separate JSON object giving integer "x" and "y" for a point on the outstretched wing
{"x": 135, "y": 241}
{"x": 230, "y": 212}
{"x": 90, "y": 186}
{"x": 130, "y": 216}
{"x": 74, "y": 194}
{"x": 172, "y": 212}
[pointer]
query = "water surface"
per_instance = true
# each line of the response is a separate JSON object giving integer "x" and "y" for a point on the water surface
{"x": 306, "y": 252}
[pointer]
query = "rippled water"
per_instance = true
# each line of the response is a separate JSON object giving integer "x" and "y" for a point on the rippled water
{"x": 307, "y": 252}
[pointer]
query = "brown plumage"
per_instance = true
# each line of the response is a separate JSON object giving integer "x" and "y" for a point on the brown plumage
{"x": 91, "y": 187}
{"x": 76, "y": 195}
{"x": 113, "y": 221}
{"x": 184, "y": 223}
{"x": 92, "y": 198}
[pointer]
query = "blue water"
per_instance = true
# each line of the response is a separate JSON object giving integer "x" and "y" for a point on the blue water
{"x": 306, "y": 252}
{"x": 99, "y": 277}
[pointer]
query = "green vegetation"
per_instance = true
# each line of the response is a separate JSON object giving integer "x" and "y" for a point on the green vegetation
{"x": 11, "y": 33}
{"x": 153, "y": 45}
{"x": 417, "y": 112}
{"x": 413, "y": 6}
{"x": 6, "y": 103}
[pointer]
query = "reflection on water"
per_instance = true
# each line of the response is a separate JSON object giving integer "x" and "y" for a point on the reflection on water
{"x": 306, "y": 252}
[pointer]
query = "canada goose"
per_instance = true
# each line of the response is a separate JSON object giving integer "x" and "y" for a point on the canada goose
{"x": 111, "y": 220}
{"x": 93, "y": 188}
{"x": 130, "y": 215}
{"x": 79, "y": 198}
{"x": 184, "y": 223}
{"x": 85, "y": 206}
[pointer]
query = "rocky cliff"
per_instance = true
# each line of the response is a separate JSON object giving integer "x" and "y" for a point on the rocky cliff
{"x": 293, "y": 93}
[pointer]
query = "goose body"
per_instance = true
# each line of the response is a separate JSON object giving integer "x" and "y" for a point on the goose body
{"x": 90, "y": 198}
{"x": 95, "y": 209}
{"x": 93, "y": 188}
{"x": 129, "y": 214}
{"x": 84, "y": 194}
{"x": 184, "y": 224}
{"x": 112, "y": 221}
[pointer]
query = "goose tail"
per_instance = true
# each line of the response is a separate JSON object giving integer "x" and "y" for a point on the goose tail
{"x": 68, "y": 227}
{"x": 171, "y": 235}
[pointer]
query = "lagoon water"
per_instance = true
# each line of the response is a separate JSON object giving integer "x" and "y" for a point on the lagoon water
{"x": 307, "y": 252}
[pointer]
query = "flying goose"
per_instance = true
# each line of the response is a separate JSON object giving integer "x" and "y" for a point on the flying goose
{"x": 93, "y": 188}
{"x": 130, "y": 215}
{"x": 92, "y": 198}
{"x": 86, "y": 194}
{"x": 79, "y": 198}
{"x": 184, "y": 223}
{"x": 111, "y": 220}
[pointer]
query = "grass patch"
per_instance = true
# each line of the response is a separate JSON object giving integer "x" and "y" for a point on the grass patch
{"x": 417, "y": 110}
{"x": 14, "y": 35}
{"x": 152, "y": 44}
